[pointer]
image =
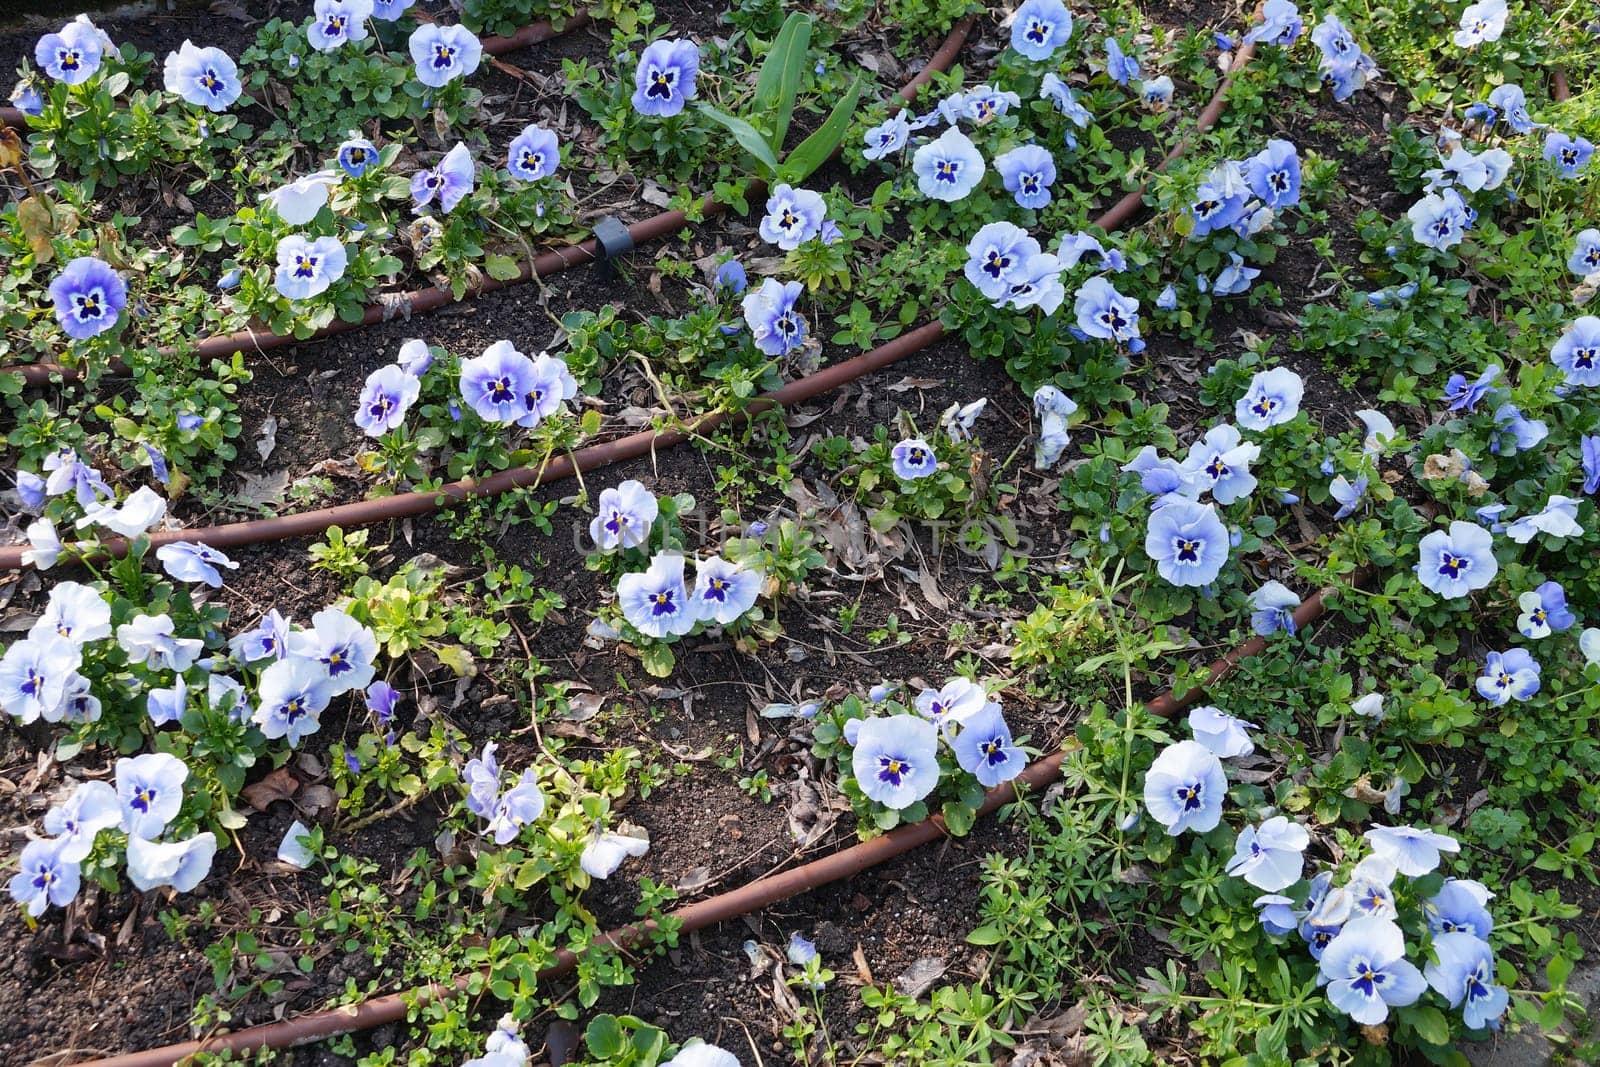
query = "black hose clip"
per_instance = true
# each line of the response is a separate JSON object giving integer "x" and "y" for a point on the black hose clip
{"x": 614, "y": 240}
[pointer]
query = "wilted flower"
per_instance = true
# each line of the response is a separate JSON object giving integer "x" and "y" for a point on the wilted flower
{"x": 794, "y": 216}
{"x": 895, "y": 760}
{"x": 656, "y": 602}
{"x": 444, "y": 53}
{"x": 1464, "y": 973}
{"x": 520, "y": 805}
{"x": 1184, "y": 787}
{"x": 150, "y": 791}
{"x": 44, "y": 877}
{"x": 1276, "y": 914}
{"x": 1120, "y": 67}
{"x": 88, "y": 297}
{"x": 534, "y": 154}
{"x": 1513, "y": 103}
{"x": 1413, "y": 851}
{"x": 1027, "y": 172}
{"x": 1156, "y": 93}
{"x": 307, "y": 268}
{"x": 1053, "y": 89}
{"x": 1274, "y": 606}
{"x": 190, "y": 561}
{"x": 1235, "y": 278}
{"x": 958, "y": 419}
{"x": 624, "y": 516}
{"x": 776, "y": 325}
{"x": 180, "y": 864}
{"x": 269, "y": 639}
{"x": 1272, "y": 399}
{"x": 1370, "y": 706}
{"x": 1544, "y": 611}
{"x": 948, "y": 167}
{"x": 1366, "y": 971}
{"x": 205, "y": 77}
{"x": 292, "y": 850}
{"x": 1040, "y": 28}
{"x": 1270, "y": 856}
{"x": 482, "y": 778}
{"x": 984, "y": 750}
{"x": 605, "y": 851}
{"x": 1457, "y": 562}
{"x": 1053, "y": 408}
{"x": 1187, "y": 541}
{"x": 1226, "y": 735}
{"x": 1507, "y": 676}
{"x": 334, "y": 22}
{"x": 665, "y": 78}
{"x": 448, "y": 182}
{"x": 298, "y": 202}
{"x": 291, "y": 696}
{"x": 731, "y": 278}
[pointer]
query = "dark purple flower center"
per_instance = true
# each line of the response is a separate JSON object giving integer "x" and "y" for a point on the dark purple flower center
{"x": 339, "y": 660}
{"x": 1583, "y": 358}
{"x": 1217, "y": 469}
{"x": 1452, "y": 565}
{"x": 1368, "y": 978}
{"x": 994, "y": 751}
{"x": 1188, "y": 549}
{"x": 1038, "y": 31}
{"x": 90, "y": 305}
{"x": 663, "y": 603}
{"x": 662, "y": 83}
{"x": 210, "y": 82}
{"x": 34, "y": 683}
{"x": 444, "y": 57}
{"x": 334, "y": 27}
{"x": 500, "y": 391}
{"x": 946, "y": 170}
{"x": 1204, "y": 209}
{"x": 1189, "y": 796}
{"x": 1265, "y": 406}
{"x": 144, "y": 799}
{"x": 532, "y": 161}
{"x": 1279, "y": 181}
{"x": 717, "y": 589}
{"x": 1030, "y": 184}
{"x": 892, "y": 770}
{"x": 305, "y": 266}
{"x": 997, "y": 263}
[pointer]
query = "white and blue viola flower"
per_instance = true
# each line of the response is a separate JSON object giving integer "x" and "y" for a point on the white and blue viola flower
{"x": 1507, "y": 676}
{"x": 1187, "y": 541}
{"x": 958, "y": 419}
{"x": 1558, "y": 519}
{"x": 1482, "y": 21}
{"x": 997, "y": 258}
{"x": 1585, "y": 258}
{"x": 984, "y": 103}
{"x": 76, "y": 612}
{"x": 1041, "y": 28}
{"x": 1062, "y": 98}
{"x": 92, "y": 807}
{"x": 1569, "y": 154}
{"x": 44, "y": 877}
{"x": 298, "y": 202}
{"x": 190, "y": 561}
{"x": 1272, "y": 399}
{"x": 624, "y": 515}
{"x": 1219, "y": 200}
{"x": 1027, "y": 172}
{"x": 307, "y": 268}
{"x": 1414, "y": 851}
{"x": 179, "y": 864}
{"x": 444, "y": 53}
{"x": 1464, "y": 976}
{"x": 1366, "y": 971}
{"x": 724, "y": 591}
{"x": 888, "y": 137}
{"x": 142, "y": 509}
{"x": 1273, "y": 606}
{"x": 447, "y": 183}
{"x": 1235, "y": 278}
{"x": 335, "y": 22}
{"x": 1184, "y": 788}
{"x": 665, "y": 78}
{"x": 341, "y": 646}
{"x": 494, "y": 383}
{"x": 1120, "y": 67}
{"x": 895, "y": 759}
{"x": 1280, "y": 24}
{"x": 958, "y": 700}
{"x": 519, "y": 806}
{"x": 1347, "y": 494}
{"x": 35, "y": 675}
{"x": 1577, "y": 351}
{"x": 656, "y": 602}
{"x": 149, "y": 641}
{"x": 390, "y": 10}
{"x": 356, "y": 156}
{"x": 387, "y": 395}
{"x": 269, "y": 639}
{"x": 1460, "y": 906}
{"x": 1039, "y": 286}
{"x": 1222, "y": 461}
{"x": 775, "y": 323}
{"x": 482, "y": 778}
{"x": 550, "y": 385}
{"x": 73, "y": 54}
{"x": 1457, "y": 562}
{"x": 1439, "y": 220}
{"x": 149, "y": 792}
{"x": 1544, "y": 611}
{"x": 88, "y": 296}
{"x": 913, "y": 458}
{"x": 1512, "y": 102}
{"x": 1270, "y": 856}
{"x": 1226, "y": 735}
{"x": 794, "y": 216}
{"x": 1104, "y": 313}
{"x": 534, "y": 154}
{"x": 984, "y": 748}
{"x": 205, "y": 77}
{"x": 948, "y": 167}
{"x": 291, "y": 695}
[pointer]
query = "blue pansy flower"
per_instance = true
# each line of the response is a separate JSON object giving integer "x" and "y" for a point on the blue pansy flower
{"x": 1585, "y": 258}
{"x": 1027, "y": 171}
{"x": 1348, "y": 495}
{"x": 179, "y": 864}
{"x": 794, "y": 216}
{"x": 724, "y": 591}
{"x": 493, "y": 384}
{"x": 341, "y": 646}
{"x": 984, "y": 750}
{"x": 1274, "y": 605}
{"x": 31, "y": 489}
{"x": 190, "y": 561}
{"x": 1235, "y": 278}
{"x": 76, "y": 824}
{"x": 1060, "y": 95}
{"x": 1104, "y": 313}
{"x": 150, "y": 792}
{"x": 1456, "y": 562}
{"x": 1412, "y": 850}
{"x": 1219, "y": 201}
{"x": 895, "y": 759}
{"x": 1040, "y": 28}
{"x": 1366, "y": 971}
{"x": 388, "y": 393}
{"x": 1439, "y": 220}
{"x": 1276, "y": 913}
{"x": 624, "y": 515}
{"x": 290, "y": 698}
{"x": 1120, "y": 67}
{"x": 448, "y": 182}
{"x": 1463, "y": 395}
{"x": 1460, "y": 906}
{"x": 948, "y": 167}
{"x": 958, "y": 700}
{"x": 28, "y": 100}
{"x": 1184, "y": 788}
{"x": 1221, "y": 462}
{"x": 982, "y": 103}
{"x": 1570, "y": 155}
{"x": 1513, "y": 104}
{"x": 206, "y": 77}
{"x": 357, "y": 156}
{"x": 76, "y": 612}
{"x": 1508, "y": 676}
{"x": 1039, "y": 286}
{"x": 534, "y": 154}
{"x": 88, "y": 297}
{"x": 1558, "y": 518}
{"x": 731, "y": 278}
{"x": 333, "y": 22}
{"x": 1272, "y": 855}
{"x": 73, "y": 54}
{"x": 1156, "y": 93}
{"x": 481, "y": 776}
{"x": 656, "y": 602}
{"x": 1274, "y": 174}
{"x": 1280, "y": 24}
{"x": 1482, "y": 21}
{"x": 1273, "y": 398}
{"x": 35, "y": 675}
{"x": 307, "y": 268}
{"x": 1513, "y": 433}
{"x": 390, "y": 10}
{"x": 44, "y": 877}
{"x": 913, "y": 458}
{"x": 1576, "y": 352}
{"x": 1464, "y": 976}
{"x": 1187, "y": 541}
{"x": 444, "y": 53}
{"x": 665, "y": 77}
{"x": 1589, "y": 447}
{"x": 776, "y": 325}
{"x": 888, "y": 136}
{"x": 517, "y": 807}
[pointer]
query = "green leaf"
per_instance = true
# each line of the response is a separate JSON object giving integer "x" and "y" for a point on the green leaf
{"x": 817, "y": 149}
{"x": 781, "y": 73}
{"x": 958, "y": 818}
{"x": 657, "y": 659}
{"x": 985, "y": 935}
{"x": 502, "y": 268}
{"x": 748, "y": 136}
{"x": 457, "y": 659}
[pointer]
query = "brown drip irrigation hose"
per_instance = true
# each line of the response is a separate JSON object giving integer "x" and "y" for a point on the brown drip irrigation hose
{"x": 751, "y": 897}
{"x": 526, "y": 37}
{"x": 645, "y": 442}
{"x": 552, "y": 262}
{"x": 763, "y": 892}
